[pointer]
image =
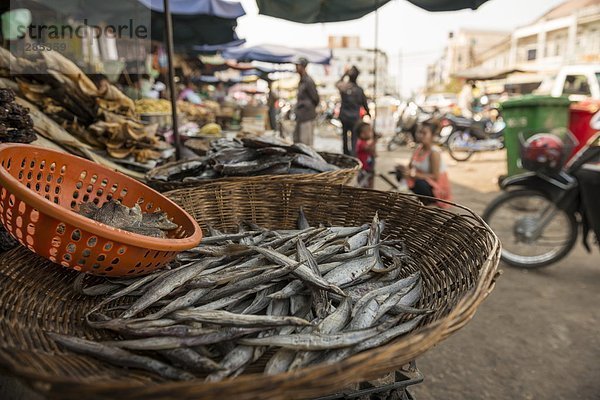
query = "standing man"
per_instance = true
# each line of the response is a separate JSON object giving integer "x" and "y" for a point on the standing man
{"x": 465, "y": 99}
{"x": 308, "y": 99}
{"x": 353, "y": 98}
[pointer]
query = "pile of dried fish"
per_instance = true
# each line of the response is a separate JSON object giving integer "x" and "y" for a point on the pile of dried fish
{"x": 99, "y": 115}
{"x": 16, "y": 125}
{"x": 246, "y": 157}
{"x": 196, "y": 113}
{"x": 117, "y": 215}
{"x": 289, "y": 298}
{"x": 152, "y": 106}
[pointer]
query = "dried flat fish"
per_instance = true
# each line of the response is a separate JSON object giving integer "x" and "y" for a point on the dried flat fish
{"x": 249, "y": 157}
{"x": 262, "y": 142}
{"x": 56, "y": 61}
{"x": 250, "y": 167}
{"x": 65, "y": 95}
{"x": 158, "y": 220}
{"x": 305, "y": 161}
{"x": 117, "y": 215}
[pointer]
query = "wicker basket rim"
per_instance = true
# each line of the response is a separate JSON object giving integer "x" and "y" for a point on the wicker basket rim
{"x": 414, "y": 344}
{"x": 46, "y": 206}
{"x": 357, "y": 165}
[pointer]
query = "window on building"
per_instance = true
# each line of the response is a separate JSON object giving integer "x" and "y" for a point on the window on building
{"x": 560, "y": 45}
{"x": 577, "y": 84}
{"x": 531, "y": 54}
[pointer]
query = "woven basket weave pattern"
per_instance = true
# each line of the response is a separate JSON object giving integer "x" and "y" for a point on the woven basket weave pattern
{"x": 456, "y": 254}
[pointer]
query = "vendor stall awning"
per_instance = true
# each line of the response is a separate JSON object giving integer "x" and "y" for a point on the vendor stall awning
{"x": 259, "y": 68}
{"x": 486, "y": 74}
{"x": 313, "y": 11}
{"x": 214, "y": 48}
{"x": 277, "y": 54}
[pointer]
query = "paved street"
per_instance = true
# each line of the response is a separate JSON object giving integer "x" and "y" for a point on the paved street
{"x": 536, "y": 336}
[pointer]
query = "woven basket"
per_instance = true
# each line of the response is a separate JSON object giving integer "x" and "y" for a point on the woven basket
{"x": 349, "y": 167}
{"x": 456, "y": 253}
{"x": 40, "y": 189}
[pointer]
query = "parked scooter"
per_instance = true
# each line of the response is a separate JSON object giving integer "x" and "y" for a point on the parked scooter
{"x": 464, "y": 136}
{"x": 538, "y": 216}
{"x": 410, "y": 118}
{"x": 328, "y": 119}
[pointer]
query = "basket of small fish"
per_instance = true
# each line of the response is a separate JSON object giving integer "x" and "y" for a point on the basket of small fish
{"x": 298, "y": 291}
{"x": 263, "y": 157}
{"x": 83, "y": 216}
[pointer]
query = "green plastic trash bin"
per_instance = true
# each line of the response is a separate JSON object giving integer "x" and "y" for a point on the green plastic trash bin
{"x": 528, "y": 115}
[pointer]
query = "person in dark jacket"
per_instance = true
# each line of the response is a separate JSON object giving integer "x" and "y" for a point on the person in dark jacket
{"x": 353, "y": 98}
{"x": 308, "y": 99}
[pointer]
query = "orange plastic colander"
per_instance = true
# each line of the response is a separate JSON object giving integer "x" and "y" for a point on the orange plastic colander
{"x": 41, "y": 188}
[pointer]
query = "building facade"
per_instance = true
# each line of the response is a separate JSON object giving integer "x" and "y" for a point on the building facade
{"x": 567, "y": 34}
{"x": 462, "y": 52}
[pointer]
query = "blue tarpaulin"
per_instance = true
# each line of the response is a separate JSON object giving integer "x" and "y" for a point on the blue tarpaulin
{"x": 214, "y": 48}
{"x": 277, "y": 54}
{"x": 216, "y": 8}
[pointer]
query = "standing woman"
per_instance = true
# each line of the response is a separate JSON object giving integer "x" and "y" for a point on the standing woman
{"x": 426, "y": 174}
{"x": 353, "y": 98}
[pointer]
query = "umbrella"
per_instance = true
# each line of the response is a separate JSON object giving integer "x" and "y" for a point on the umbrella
{"x": 193, "y": 27}
{"x": 195, "y": 22}
{"x": 215, "y": 48}
{"x": 313, "y": 11}
{"x": 216, "y": 8}
{"x": 277, "y": 54}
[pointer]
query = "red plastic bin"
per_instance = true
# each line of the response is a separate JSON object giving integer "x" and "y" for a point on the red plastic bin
{"x": 580, "y": 116}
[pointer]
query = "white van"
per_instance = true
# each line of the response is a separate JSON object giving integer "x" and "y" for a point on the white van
{"x": 576, "y": 81}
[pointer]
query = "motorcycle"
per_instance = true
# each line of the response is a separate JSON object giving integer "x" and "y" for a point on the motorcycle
{"x": 328, "y": 119}
{"x": 410, "y": 118}
{"x": 540, "y": 213}
{"x": 285, "y": 117}
{"x": 464, "y": 137}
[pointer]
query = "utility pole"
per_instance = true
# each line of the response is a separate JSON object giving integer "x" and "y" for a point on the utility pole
{"x": 171, "y": 77}
{"x": 400, "y": 71}
{"x": 375, "y": 58}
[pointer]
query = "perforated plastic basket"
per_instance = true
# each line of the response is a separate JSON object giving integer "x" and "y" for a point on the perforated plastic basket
{"x": 41, "y": 188}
